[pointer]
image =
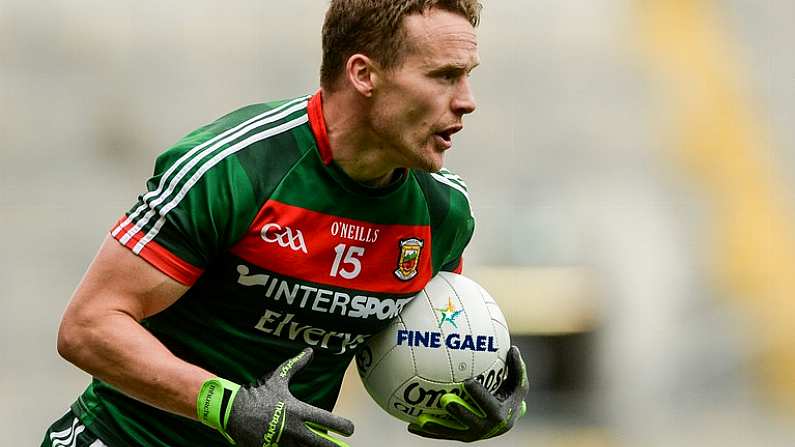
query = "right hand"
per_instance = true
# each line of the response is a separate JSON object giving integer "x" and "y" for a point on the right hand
{"x": 265, "y": 413}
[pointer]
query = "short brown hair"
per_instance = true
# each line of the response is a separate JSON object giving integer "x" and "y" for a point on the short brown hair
{"x": 373, "y": 28}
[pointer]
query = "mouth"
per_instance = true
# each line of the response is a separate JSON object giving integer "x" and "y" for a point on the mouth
{"x": 445, "y": 137}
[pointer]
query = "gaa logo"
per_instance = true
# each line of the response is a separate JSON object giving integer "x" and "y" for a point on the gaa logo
{"x": 284, "y": 236}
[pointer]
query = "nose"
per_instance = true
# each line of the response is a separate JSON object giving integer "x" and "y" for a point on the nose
{"x": 463, "y": 101}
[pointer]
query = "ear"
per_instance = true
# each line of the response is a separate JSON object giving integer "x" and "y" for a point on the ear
{"x": 361, "y": 72}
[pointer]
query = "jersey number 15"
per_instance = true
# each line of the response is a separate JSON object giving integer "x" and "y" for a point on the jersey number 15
{"x": 347, "y": 256}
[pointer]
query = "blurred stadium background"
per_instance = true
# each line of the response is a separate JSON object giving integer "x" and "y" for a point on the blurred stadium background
{"x": 631, "y": 165}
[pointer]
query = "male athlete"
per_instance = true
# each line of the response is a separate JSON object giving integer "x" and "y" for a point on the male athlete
{"x": 273, "y": 236}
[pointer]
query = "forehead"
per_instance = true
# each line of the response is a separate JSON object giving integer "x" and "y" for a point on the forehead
{"x": 440, "y": 37}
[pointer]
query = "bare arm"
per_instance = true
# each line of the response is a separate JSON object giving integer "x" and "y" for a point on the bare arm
{"x": 101, "y": 334}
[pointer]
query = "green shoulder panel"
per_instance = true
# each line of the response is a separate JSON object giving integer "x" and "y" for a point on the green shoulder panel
{"x": 207, "y": 188}
{"x": 452, "y": 220}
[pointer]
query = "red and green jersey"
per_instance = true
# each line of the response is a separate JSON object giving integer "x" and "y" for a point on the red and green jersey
{"x": 281, "y": 250}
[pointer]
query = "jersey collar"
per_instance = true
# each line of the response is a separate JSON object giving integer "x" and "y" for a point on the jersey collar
{"x": 318, "y": 125}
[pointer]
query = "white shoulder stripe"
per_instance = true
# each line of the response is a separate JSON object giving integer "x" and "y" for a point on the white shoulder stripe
{"x": 234, "y": 130}
{"x": 456, "y": 179}
{"x": 442, "y": 179}
{"x": 452, "y": 176}
{"x": 152, "y": 206}
{"x": 71, "y": 439}
{"x": 65, "y": 433}
{"x": 207, "y": 166}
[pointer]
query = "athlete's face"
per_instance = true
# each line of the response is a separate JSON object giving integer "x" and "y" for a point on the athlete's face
{"x": 420, "y": 104}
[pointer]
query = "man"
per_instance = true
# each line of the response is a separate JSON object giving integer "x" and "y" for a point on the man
{"x": 275, "y": 229}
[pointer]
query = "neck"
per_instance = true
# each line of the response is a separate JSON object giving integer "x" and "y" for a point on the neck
{"x": 354, "y": 146}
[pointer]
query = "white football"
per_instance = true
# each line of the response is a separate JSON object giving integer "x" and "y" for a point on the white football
{"x": 451, "y": 331}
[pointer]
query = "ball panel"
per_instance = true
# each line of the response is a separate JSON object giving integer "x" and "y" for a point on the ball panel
{"x": 479, "y": 340}
{"x": 492, "y": 376}
{"x": 389, "y": 373}
{"x": 451, "y": 309}
{"x": 502, "y": 338}
{"x": 491, "y": 305}
{"x": 426, "y": 338}
{"x": 377, "y": 347}
{"x": 487, "y": 298}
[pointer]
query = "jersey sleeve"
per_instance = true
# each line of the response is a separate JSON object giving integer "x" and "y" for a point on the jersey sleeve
{"x": 198, "y": 202}
{"x": 464, "y": 230}
{"x": 452, "y": 219}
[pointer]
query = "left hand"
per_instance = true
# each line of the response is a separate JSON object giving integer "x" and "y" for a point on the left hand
{"x": 493, "y": 414}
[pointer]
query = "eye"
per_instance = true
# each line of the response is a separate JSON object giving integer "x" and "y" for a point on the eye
{"x": 450, "y": 76}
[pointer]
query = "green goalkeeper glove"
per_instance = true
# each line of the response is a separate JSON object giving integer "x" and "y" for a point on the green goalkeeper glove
{"x": 266, "y": 414}
{"x": 493, "y": 415}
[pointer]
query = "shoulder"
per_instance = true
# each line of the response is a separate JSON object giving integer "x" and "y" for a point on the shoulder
{"x": 446, "y": 193}
{"x": 261, "y": 116}
{"x": 253, "y": 126}
{"x": 245, "y": 122}
{"x": 450, "y": 212}
{"x": 231, "y": 153}
{"x": 443, "y": 185}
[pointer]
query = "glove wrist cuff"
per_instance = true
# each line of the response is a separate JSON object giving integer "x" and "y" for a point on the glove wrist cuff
{"x": 214, "y": 403}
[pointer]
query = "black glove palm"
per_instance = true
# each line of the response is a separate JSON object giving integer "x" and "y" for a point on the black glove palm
{"x": 494, "y": 414}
